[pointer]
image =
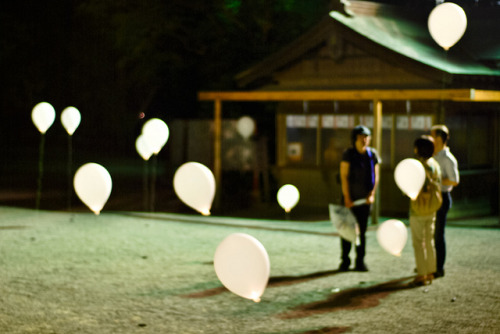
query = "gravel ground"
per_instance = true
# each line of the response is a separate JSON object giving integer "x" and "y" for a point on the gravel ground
{"x": 125, "y": 272}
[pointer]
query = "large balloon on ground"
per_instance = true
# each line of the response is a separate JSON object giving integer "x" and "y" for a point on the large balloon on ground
{"x": 392, "y": 236}
{"x": 70, "y": 119}
{"x": 242, "y": 265}
{"x": 93, "y": 184}
{"x": 288, "y": 196}
{"x": 410, "y": 177}
{"x": 43, "y": 116}
{"x": 194, "y": 184}
{"x": 447, "y": 23}
{"x": 156, "y": 134}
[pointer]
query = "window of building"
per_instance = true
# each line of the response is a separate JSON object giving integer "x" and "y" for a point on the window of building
{"x": 320, "y": 139}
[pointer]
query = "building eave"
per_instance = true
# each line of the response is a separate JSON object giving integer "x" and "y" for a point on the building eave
{"x": 394, "y": 38}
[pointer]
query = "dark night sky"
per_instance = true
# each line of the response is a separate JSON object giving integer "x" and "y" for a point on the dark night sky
{"x": 113, "y": 60}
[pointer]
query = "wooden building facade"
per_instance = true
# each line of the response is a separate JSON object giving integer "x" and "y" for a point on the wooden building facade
{"x": 377, "y": 67}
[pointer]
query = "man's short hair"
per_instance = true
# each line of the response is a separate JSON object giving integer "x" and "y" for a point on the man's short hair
{"x": 359, "y": 130}
{"x": 441, "y": 131}
{"x": 424, "y": 146}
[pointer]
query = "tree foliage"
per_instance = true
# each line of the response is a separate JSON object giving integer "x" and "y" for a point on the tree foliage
{"x": 116, "y": 58}
{"x": 196, "y": 44}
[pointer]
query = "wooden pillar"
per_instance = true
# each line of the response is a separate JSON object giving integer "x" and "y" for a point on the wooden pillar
{"x": 281, "y": 141}
{"x": 393, "y": 142}
{"x": 377, "y": 144}
{"x": 217, "y": 151}
{"x": 319, "y": 142}
{"x": 377, "y": 125}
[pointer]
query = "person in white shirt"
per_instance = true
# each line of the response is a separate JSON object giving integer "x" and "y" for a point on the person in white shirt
{"x": 450, "y": 179}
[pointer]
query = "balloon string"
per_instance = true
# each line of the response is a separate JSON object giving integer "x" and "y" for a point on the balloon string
{"x": 40, "y": 172}
{"x": 145, "y": 186}
{"x": 69, "y": 170}
{"x": 443, "y": 81}
{"x": 153, "y": 183}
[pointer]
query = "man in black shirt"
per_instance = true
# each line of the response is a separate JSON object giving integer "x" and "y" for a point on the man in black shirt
{"x": 359, "y": 175}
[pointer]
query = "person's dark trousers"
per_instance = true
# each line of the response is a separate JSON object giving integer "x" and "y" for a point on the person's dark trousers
{"x": 439, "y": 238}
{"x": 361, "y": 212}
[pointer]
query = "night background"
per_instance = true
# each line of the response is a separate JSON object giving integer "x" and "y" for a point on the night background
{"x": 120, "y": 63}
{"x": 114, "y": 60}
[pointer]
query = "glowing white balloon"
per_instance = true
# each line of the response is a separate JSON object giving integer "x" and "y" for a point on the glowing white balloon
{"x": 70, "y": 119}
{"x": 288, "y": 196}
{"x": 43, "y": 115}
{"x": 392, "y": 236}
{"x": 245, "y": 126}
{"x": 142, "y": 148}
{"x": 410, "y": 177}
{"x": 194, "y": 184}
{"x": 242, "y": 265}
{"x": 93, "y": 184}
{"x": 156, "y": 134}
{"x": 447, "y": 23}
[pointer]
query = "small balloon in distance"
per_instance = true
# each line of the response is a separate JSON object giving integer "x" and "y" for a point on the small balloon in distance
{"x": 194, "y": 184}
{"x": 70, "y": 119}
{"x": 288, "y": 196}
{"x": 245, "y": 126}
{"x": 43, "y": 116}
{"x": 142, "y": 148}
{"x": 93, "y": 184}
{"x": 156, "y": 134}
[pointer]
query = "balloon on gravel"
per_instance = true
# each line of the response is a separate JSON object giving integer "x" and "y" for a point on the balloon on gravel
{"x": 242, "y": 265}
{"x": 392, "y": 236}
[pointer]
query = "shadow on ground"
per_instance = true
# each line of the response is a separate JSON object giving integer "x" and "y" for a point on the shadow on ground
{"x": 350, "y": 299}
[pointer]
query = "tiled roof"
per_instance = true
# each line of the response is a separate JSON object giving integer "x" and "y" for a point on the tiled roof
{"x": 411, "y": 39}
{"x": 475, "y": 58}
